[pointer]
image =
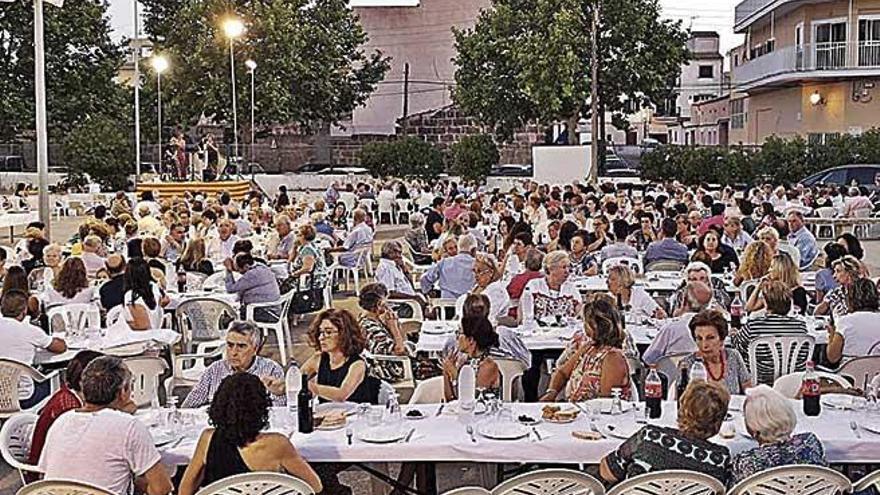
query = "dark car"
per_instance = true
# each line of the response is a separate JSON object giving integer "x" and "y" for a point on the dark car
{"x": 846, "y": 175}
{"x": 511, "y": 170}
{"x": 11, "y": 163}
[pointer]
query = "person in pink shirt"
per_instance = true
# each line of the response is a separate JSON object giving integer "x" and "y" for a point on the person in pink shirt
{"x": 856, "y": 202}
{"x": 455, "y": 209}
{"x": 717, "y": 218}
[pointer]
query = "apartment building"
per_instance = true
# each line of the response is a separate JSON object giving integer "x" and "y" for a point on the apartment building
{"x": 807, "y": 67}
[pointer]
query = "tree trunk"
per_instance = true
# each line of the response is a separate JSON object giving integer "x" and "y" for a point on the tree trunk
{"x": 572, "y": 122}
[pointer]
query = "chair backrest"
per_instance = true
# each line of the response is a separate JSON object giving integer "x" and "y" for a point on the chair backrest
{"x": 551, "y": 482}
{"x": 62, "y": 487}
{"x": 146, "y": 374}
{"x": 634, "y": 263}
{"x": 784, "y": 350}
{"x": 216, "y": 280}
{"x": 260, "y": 483}
{"x": 11, "y": 372}
{"x": 812, "y": 480}
{"x": 875, "y": 349}
{"x": 348, "y": 199}
{"x": 510, "y": 369}
{"x": 444, "y": 307}
{"x": 468, "y": 490}
{"x": 671, "y": 482}
{"x": 15, "y": 440}
{"x": 861, "y": 370}
{"x": 862, "y": 213}
{"x": 37, "y": 278}
{"x": 665, "y": 266}
{"x": 203, "y": 318}
{"x": 790, "y": 385}
{"x": 195, "y": 280}
{"x": 74, "y": 315}
{"x": 826, "y": 212}
{"x": 428, "y": 391}
{"x": 869, "y": 481}
{"x": 404, "y": 205}
{"x": 385, "y": 203}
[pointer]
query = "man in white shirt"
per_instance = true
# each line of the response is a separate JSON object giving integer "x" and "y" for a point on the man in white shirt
{"x": 19, "y": 340}
{"x": 102, "y": 443}
{"x": 220, "y": 247}
{"x": 91, "y": 255}
{"x": 675, "y": 337}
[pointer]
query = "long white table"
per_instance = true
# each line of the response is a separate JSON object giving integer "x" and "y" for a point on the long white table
{"x": 668, "y": 282}
{"x": 123, "y": 343}
{"x": 13, "y": 220}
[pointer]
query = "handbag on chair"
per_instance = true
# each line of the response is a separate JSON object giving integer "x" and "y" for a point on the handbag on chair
{"x": 307, "y": 300}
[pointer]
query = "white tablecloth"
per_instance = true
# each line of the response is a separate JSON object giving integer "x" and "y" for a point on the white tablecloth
{"x": 113, "y": 340}
{"x": 438, "y": 439}
{"x": 16, "y": 219}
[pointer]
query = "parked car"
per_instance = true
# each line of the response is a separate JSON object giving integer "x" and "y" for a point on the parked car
{"x": 511, "y": 170}
{"x": 846, "y": 175}
{"x": 11, "y": 163}
{"x": 313, "y": 168}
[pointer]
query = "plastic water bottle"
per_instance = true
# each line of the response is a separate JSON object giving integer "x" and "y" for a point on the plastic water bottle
{"x": 698, "y": 371}
{"x": 467, "y": 382}
{"x": 292, "y": 384}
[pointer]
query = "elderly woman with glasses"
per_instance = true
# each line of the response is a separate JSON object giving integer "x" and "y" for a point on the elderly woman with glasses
{"x": 487, "y": 281}
{"x": 630, "y": 298}
{"x": 770, "y": 419}
{"x": 554, "y": 296}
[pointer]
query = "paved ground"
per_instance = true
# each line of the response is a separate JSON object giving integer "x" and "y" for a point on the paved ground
{"x": 449, "y": 476}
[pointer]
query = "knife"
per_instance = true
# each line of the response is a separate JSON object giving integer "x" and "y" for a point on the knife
{"x": 440, "y": 409}
{"x": 409, "y": 435}
{"x": 535, "y": 431}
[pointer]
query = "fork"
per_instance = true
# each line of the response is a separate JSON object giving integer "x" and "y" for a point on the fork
{"x": 855, "y": 429}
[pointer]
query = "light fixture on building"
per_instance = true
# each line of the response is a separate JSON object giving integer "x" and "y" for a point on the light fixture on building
{"x": 817, "y": 99}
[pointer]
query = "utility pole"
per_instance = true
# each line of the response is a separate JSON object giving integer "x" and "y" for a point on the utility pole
{"x": 405, "y": 97}
{"x": 594, "y": 98}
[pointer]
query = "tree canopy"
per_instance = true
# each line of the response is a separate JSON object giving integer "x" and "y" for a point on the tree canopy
{"x": 311, "y": 64}
{"x": 530, "y": 60}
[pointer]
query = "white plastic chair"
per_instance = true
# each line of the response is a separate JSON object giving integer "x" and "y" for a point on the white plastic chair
{"x": 417, "y": 314}
{"x": 146, "y": 378}
{"x": 406, "y": 386}
{"x": 404, "y": 207}
{"x": 62, "y": 487}
{"x": 671, "y": 482}
{"x": 386, "y": 207}
{"x": 15, "y": 442}
{"x": 114, "y": 314}
{"x": 78, "y": 315}
{"x": 352, "y": 272}
{"x": 790, "y": 385}
{"x": 201, "y": 324}
{"x": 634, "y": 263}
{"x": 468, "y": 490}
{"x": 869, "y": 481}
{"x": 861, "y": 230}
{"x": 279, "y": 326}
{"x": 11, "y": 373}
{"x": 428, "y": 391}
{"x": 800, "y": 479}
{"x": 443, "y": 306}
{"x": 348, "y": 199}
{"x": 861, "y": 370}
{"x": 825, "y": 213}
{"x": 551, "y": 482}
{"x": 784, "y": 350}
{"x": 511, "y": 370}
{"x": 260, "y": 483}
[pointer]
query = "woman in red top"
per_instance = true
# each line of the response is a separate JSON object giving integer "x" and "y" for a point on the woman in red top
{"x": 64, "y": 400}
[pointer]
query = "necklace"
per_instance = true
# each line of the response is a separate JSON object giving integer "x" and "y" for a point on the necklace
{"x": 712, "y": 375}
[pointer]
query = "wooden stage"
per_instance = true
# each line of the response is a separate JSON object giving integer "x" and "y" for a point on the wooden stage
{"x": 236, "y": 188}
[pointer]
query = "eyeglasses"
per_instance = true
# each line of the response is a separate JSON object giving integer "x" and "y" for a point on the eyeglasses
{"x": 326, "y": 334}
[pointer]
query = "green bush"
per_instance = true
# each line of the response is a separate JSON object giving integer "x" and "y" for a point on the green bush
{"x": 474, "y": 156}
{"x": 407, "y": 157}
{"x": 101, "y": 148}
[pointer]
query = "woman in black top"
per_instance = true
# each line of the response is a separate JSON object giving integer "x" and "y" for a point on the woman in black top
{"x": 239, "y": 414}
{"x": 338, "y": 372}
{"x": 719, "y": 257}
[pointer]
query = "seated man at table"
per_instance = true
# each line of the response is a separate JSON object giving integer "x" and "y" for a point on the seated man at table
{"x": 257, "y": 283}
{"x": 243, "y": 342}
{"x": 697, "y": 271}
{"x": 91, "y": 256}
{"x": 282, "y": 240}
{"x": 113, "y": 290}
{"x": 360, "y": 237}
{"x": 800, "y": 237}
{"x": 393, "y": 273}
{"x": 102, "y": 443}
{"x": 667, "y": 248}
{"x": 675, "y": 337}
{"x": 220, "y": 247}
{"x": 19, "y": 340}
{"x": 455, "y": 274}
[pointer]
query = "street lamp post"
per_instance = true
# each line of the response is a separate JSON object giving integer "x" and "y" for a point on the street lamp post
{"x": 160, "y": 65}
{"x": 233, "y": 28}
{"x": 136, "y": 55}
{"x": 252, "y": 70}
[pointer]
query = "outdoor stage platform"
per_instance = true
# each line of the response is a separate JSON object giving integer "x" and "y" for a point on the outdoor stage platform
{"x": 236, "y": 188}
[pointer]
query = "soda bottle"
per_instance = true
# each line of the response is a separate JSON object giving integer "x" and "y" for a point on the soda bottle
{"x": 181, "y": 279}
{"x": 698, "y": 370}
{"x": 810, "y": 391}
{"x": 653, "y": 393}
{"x": 305, "y": 415}
{"x": 736, "y": 312}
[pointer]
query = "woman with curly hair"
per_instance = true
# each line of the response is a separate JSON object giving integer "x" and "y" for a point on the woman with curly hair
{"x": 755, "y": 262}
{"x": 70, "y": 286}
{"x": 338, "y": 373}
{"x": 237, "y": 444}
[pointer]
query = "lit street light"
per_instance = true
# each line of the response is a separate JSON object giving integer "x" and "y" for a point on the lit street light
{"x": 160, "y": 65}
{"x": 252, "y": 70}
{"x": 234, "y": 28}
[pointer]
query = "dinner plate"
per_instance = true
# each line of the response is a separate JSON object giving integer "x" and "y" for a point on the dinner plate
{"x": 383, "y": 434}
{"x": 452, "y": 408}
{"x": 127, "y": 350}
{"x": 337, "y": 426}
{"x": 623, "y": 431}
{"x": 444, "y": 329}
{"x": 162, "y": 436}
{"x": 842, "y": 401}
{"x": 561, "y": 421}
{"x": 604, "y": 405}
{"x": 345, "y": 407}
{"x": 503, "y": 431}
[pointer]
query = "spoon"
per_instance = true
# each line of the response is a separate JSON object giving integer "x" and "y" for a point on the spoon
{"x": 855, "y": 428}
{"x": 470, "y": 431}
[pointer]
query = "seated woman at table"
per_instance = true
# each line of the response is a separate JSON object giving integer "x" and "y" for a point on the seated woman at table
{"x": 66, "y": 398}
{"x": 194, "y": 259}
{"x": 553, "y": 296}
{"x": 782, "y": 269}
{"x": 238, "y": 443}
{"x": 417, "y": 237}
{"x": 702, "y": 409}
{"x": 847, "y": 271}
{"x": 16, "y": 279}
{"x": 632, "y": 299}
{"x": 724, "y": 366}
{"x": 770, "y": 419}
{"x": 143, "y": 299}
{"x": 51, "y": 266}
{"x": 755, "y": 263}
{"x": 825, "y": 281}
{"x": 339, "y": 217}
{"x": 487, "y": 280}
{"x": 382, "y": 329}
{"x": 307, "y": 258}
{"x": 70, "y": 286}
{"x": 475, "y": 338}
{"x": 151, "y": 247}
{"x": 719, "y": 257}
{"x": 339, "y": 373}
{"x": 583, "y": 264}
{"x": 599, "y": 364}
{"x": 856, "y": 333}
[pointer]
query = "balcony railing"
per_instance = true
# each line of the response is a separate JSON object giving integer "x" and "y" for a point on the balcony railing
{"x": 818, "y": 57}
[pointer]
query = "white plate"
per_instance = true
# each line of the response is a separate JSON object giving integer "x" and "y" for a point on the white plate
{"x": 452, "y": 408}
{"x": 346, "y": 407}
{"x": 841, "y": 401}
{"x": 383, "y": 434}
{"x": 621, "y": 431}
{"x": 162, "y": 436}
{"x": 503, "y": 431}
{"x": 604, "y": 405}
{"x": 127, "y": 350}
{"x": 433, "y": 329}
{"x": 335, "y": 427}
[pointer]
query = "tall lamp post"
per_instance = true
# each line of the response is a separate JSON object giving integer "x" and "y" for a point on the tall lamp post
{"x": 234, "y": 28}
{"x": 160, "y": 65}
{"x": 252, "y": 70}
{"x": 136, "y": 55}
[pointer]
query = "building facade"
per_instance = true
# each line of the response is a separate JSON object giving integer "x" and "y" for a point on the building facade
{"x": 807, "y": 67}
{"x": 701, "y": 78}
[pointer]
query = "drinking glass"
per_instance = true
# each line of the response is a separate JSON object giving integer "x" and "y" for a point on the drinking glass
{"x": 374, "y": 416}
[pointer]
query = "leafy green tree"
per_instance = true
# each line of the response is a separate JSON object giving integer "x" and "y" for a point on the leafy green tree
{"x": 102, "y": 149}
{"x": 474, "y": 156}
{"x": 81, "y": 63}
{"x": 407, "y": 157}
{"x": 530, "y": 60}
{"x": 311, "y": 64}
